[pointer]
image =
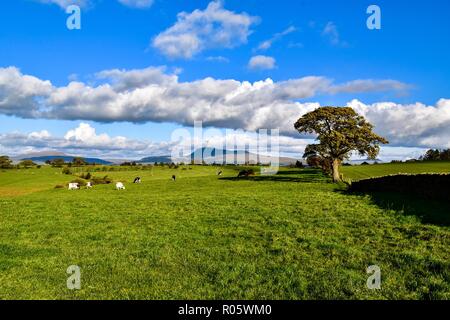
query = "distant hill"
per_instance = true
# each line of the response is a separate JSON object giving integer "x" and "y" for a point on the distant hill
{"x": 359, "y": 161}
{"x": 215, "y": 155}
{"x": 164, "y": 159}
{"x": 39, "y": 154}
{"x": 43, "y": 159}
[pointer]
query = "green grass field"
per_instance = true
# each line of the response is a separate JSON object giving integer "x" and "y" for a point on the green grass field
{"x": 378, "y": 170}
{"x": 295, "y": 235}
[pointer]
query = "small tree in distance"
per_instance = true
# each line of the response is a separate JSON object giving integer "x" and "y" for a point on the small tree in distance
{"x": 340, "y": 131}
{"x": 58, "y": 162}
{"x": 5, "y": 162}
{"x": 27, "y": 163}
{"x": 78, "y": 162}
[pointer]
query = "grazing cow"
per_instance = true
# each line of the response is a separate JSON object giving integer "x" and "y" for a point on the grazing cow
{"x": 120, "y": 186}
{"x": 137, "y": 180}
{"x": 220, "y": 173}
{"x": 174, "y": 177}
{"x": 73, "y": 186}
{"x": 89, "y": 185}
{"x": 245, "y": 173}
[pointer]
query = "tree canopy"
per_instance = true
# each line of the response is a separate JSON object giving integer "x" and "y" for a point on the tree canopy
{"x": 57, "y": 162}
{"x": 436, "y": 155}
{"x": 340, "y": 131}
{"x": 5, "y": 162}
{"x": 27, "y": 163}
{"x": 78, "y": 161}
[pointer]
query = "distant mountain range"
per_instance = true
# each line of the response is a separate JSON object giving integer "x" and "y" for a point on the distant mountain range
{"x": 360, "y": 161}
{"x": 165, "y": 159}
{"x": 43, "y": 159}
{"x": 207, "y": 155}
{"x": 214, "y": 155}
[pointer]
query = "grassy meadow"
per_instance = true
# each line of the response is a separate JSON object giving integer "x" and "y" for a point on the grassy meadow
{"x": 383, "y": 169}
{"x": 294, "y": 235}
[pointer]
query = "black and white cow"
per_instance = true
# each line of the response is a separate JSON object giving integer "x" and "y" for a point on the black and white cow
{"x": 137, "y": 180}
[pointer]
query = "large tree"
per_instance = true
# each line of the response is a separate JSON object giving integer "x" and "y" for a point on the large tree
{"x": 340, "y": 131}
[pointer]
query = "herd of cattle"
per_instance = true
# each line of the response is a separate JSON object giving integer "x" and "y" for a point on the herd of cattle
{"x": 121, "y": 186}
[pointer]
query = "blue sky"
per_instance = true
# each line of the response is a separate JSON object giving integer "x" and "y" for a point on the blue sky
{"x": 406, "y": 61}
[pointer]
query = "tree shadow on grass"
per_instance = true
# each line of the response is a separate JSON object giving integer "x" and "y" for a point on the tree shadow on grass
{"x": 292, "y": 175}
{"x": 429, "y": 211}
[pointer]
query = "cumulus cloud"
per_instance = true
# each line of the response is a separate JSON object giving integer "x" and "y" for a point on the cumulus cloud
{"x": 82, "y": 140}
{"x": 214, "y": 27}
{"x": 409, "y": 125}
{"x": 262, "y": 63}
{"x": 19, "y": 94}
{"x": 85, "y": 135}
{"x": 264, "y": 45}
{"x": 123, "y": 80}
{"x": 44, "y": 134}
{"x": 153, "y": 94}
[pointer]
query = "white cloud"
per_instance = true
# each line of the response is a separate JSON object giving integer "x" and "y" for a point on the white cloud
{"x": 137, "y": 3}
{"x": 277, "y": 36}
{"x": 262, "y": 62}
{"x": 65, "y": 3}
{"x": 19, "y": 93}
{"x": 409, "y": 125}
{"x": 86, "y": 134}
{"x": 214, "y": 27}
{"x": 154, "y": 95}
{"x": 123, "y": 80}
{"x": 44, "y": 134}
{"x": 83, "y": 141}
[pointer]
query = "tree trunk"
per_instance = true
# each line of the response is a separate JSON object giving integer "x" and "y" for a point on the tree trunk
{"x": 336, "y": 175}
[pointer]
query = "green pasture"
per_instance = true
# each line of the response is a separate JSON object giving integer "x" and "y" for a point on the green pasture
{"x": 359, "y": 172}
{"x": 294, "y": 235}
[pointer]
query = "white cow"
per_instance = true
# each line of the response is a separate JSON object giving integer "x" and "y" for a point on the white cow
{"x": 120, "y": 186}
{"x": 89, "y": 185}
{"x": 73, "y": 186}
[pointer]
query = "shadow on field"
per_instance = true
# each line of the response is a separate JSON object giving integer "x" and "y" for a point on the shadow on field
{"x": 429, "y": 211}
{"x": 293, "y": 175}
{"x": 422, "y": 195}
